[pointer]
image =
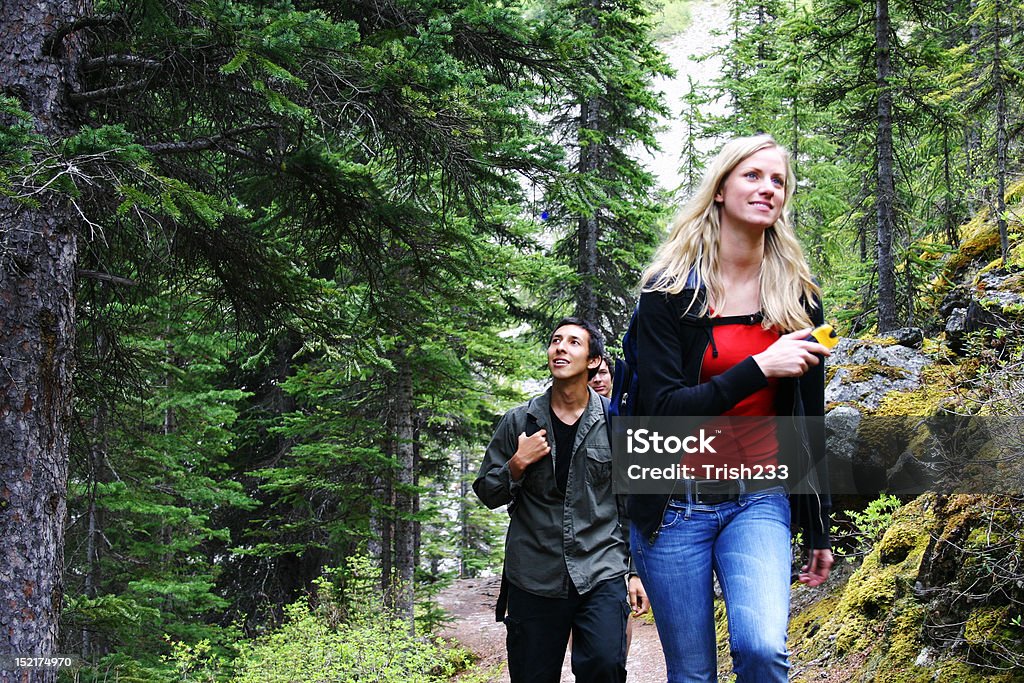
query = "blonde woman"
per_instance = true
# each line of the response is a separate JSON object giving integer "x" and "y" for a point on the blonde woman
{"x": 725, "y": 310}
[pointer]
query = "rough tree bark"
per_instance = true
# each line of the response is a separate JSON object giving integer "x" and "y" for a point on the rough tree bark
{"x": 38, "y": 249}
{"x": 998, "y": 79}
{"x": 885, "y": 195}
{"x": 405, "y": 503}
{"x": 586, "y": 260}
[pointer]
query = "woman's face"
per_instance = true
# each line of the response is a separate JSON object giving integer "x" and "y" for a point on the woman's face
{"x": 753, "y": 193}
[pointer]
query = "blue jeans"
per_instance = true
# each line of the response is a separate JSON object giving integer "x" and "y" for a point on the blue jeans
{"x": 747, "y": 545}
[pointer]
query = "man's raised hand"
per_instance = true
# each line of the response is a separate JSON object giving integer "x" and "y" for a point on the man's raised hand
{"x": 531, "y": 449}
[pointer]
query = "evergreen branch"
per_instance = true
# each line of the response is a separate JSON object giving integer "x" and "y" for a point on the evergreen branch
{"x": 107, "y": 93}
{"x": 206, "y": 142}
{"x": 94, "y": 63}
{"x": 54, "y": 39}
{"x": 236, "y": 151}
{"x": 106, "y": 277}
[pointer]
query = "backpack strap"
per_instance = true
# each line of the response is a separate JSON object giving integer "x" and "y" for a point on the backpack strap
{"x": 624, "y": 380}
{"x": 530, "y": 428}
{"x": 708, "y": 323}
{"x": 605, "y": 403}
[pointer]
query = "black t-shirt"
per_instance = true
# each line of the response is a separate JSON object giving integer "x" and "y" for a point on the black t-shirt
{"x": 565, "y": 437}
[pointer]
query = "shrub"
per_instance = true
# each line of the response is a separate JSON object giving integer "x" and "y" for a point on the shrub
{"x": 344, "y": 635}
{"x": 871, "y": 523}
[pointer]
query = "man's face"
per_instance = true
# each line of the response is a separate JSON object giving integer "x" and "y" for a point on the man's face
{"x": 568, "y": 352}
{"x": 602, "y": 381}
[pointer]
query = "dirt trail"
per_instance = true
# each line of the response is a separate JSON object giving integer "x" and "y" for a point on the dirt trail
{"x": 471, "y": 604}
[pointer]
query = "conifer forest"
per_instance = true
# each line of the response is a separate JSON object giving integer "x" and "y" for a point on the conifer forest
{"x": 271, "y": 270}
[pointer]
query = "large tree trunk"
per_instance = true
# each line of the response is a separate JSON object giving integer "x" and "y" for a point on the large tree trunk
{"x": 405, "y": 505}
{"x": 38, "y": 250}
{"x": 1000, "y": 88}
{"x": 587, "y": 231}
{"x": 885, "y": 195}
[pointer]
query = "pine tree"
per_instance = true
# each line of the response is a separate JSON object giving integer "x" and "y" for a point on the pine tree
{"x": 989, "y": 60}
{"x": 869, "y": 85}
{"x": 603, "y": 206}
{"x": 38, "y": 66}
{"x": 143, "y": 531}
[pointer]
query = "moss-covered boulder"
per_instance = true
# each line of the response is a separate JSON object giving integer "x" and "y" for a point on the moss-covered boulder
{"x": 918, "y": 607}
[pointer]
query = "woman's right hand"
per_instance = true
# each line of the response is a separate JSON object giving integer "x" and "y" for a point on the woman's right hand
{"x": 791, "y": 355}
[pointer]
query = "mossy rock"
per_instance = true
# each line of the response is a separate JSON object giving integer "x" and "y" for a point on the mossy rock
{"x": 978, "y": 239}
{"x": 866, "y": 371}
{"x": 922, "y": 402}
{"x": 881, "y": 626}
{"x": 869, "y": 341}
{"x": 881, "y": 440}
{"x": 722, "y": 638}
{"x": 900, "y": 540}
{"x": 952, "y": 671}
{"x": 991, "y": 624}
{"x": 875, "y": 615}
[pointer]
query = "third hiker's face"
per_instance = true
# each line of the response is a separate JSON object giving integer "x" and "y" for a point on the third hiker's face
{"x": 601, "y": 382}
{"x": 568, "y": 351}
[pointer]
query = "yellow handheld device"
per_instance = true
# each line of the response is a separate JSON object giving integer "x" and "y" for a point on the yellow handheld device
{"x": 824, "y": 335}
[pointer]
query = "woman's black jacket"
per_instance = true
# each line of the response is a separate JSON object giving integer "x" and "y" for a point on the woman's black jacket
{"x": 671, "y": 347}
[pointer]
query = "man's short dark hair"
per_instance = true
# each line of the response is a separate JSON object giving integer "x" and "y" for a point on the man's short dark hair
{"x": 596, "y": 339}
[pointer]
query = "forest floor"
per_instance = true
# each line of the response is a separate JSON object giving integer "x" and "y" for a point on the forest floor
{"x": 470, "y": 603}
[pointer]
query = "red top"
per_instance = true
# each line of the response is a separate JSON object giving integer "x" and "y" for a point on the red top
{"x": 747, "y": 442}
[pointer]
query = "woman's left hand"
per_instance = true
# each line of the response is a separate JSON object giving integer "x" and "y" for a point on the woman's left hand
{"x": 817, "y": 569}
{"x": 637, "y": 596}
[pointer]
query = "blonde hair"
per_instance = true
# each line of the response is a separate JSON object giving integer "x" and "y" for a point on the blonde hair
{"x": 692, "y": 247}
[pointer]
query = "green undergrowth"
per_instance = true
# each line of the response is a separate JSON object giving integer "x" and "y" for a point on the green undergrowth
{"x": 902, "y": 615}
{"x": 328, "y": 636}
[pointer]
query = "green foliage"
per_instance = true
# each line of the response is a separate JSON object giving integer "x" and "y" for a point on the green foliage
{"x": 152, "y": 482}
{"x": 872, "y": 522}
{"x": 346, "y": 635}
{"x": 199, "y": 663}
{"x": 602, "y": 203}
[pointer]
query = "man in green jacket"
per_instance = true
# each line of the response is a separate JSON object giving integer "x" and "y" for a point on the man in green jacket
{"x": 566, "y": 552}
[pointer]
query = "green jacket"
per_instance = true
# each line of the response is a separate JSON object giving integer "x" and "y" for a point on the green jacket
{"x": 583, "y": 537}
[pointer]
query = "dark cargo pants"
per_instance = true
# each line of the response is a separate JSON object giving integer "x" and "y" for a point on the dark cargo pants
{"x": 538, "y": 631}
